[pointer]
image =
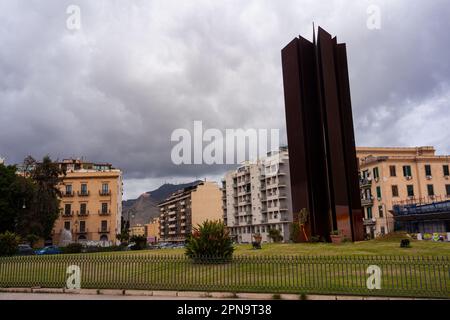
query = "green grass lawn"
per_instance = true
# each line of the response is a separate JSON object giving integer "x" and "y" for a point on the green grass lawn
{"x": 373, "y": 247}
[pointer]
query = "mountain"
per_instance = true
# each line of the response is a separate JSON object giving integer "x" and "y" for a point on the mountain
{"x": 145, "y": 207}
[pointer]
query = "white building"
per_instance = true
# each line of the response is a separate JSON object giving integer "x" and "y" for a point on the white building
{"x": 257, "y": 197}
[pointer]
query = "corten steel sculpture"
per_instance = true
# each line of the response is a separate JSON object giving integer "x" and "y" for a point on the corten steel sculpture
{"x": 323, "y": 164}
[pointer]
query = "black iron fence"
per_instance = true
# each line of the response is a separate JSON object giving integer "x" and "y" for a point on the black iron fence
{"x": 361, "y": 275}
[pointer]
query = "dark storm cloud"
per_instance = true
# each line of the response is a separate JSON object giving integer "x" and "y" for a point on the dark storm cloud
{"x": 116, "y": 89}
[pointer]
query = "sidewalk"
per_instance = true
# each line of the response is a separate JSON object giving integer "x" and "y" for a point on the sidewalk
{"x": 106, "y": 294}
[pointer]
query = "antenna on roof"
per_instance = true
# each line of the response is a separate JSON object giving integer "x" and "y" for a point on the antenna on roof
{"x": 314, "y": 33}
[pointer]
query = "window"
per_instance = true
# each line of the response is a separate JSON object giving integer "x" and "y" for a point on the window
{"x": 82, "y": 226}
{"x": 446, "y": 170}
{"x": 410, "y": 190}
{"x": 407, "y": 171}
{"x": 104, "y": 226}
{"x": 67, "y": 209}
{"x": 105, "y": 188}
{"x": 365, "y": 174}
{"x": 369, "y": 212}
{"x": 83, "y": 208}
{"x": 427, "y": 170}
{"x": 379, "y": 192}
{"x": 430, "y": 190}
{"x": 380, "y": 211}
{"x": 69, "y": 189}
{"x": 376, "y": 174}
{"x": 104, "y": 208}
{"x": 392, "y": 171}
{"x": 84, "y": 189}
{"x": 447, "y": 189}
{"x": 395, "y": 191}
{"x": 67, "y": 225}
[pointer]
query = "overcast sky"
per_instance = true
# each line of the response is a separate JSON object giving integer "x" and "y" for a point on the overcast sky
{"x": 115, "y": 89}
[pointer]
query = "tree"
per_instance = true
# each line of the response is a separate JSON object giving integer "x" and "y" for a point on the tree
{"x": 9, "y": 198}
{"x": 298, "y": 226}
{"x": 40, "y": 213}
{"x": 124, "y": 236}
{"x": 275, "y": 235}
{"x": 15, "y": 192}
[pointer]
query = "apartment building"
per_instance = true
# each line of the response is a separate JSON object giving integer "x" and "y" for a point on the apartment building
{"x": 257, "y": 197}
{"x": 390, "y": 176}
{"x": 137, "y": 230}
{"x": 152, "y": 230}
{"x": 187, "y": 208}
{"x": 91, "y": 203}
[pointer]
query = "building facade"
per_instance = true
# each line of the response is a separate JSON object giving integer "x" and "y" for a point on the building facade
{"x": 399, "y": 176}
{"x": 257, "y": 197}
{"x": 137, "y": 230}
{"x": 187, "y": 208}
{"x": 91, "y": 203}
{"x": 152, "y": 231}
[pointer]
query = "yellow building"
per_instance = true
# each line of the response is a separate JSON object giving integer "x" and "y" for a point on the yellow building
{"x": 152, "y": 231}
{"x": 392, "y": 176}
{"x": 91, "y": 204}
{"x": 187, "y": 208}
{"x": 137, "y": 230}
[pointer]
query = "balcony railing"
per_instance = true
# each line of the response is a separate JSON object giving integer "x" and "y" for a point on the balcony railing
{"x": 104, "y": 213}
{"x": 367, "y": 202}
{"x": 369, "y": 222}
{"x": 104, "y": 192}
{"x": 103, "y": 230}
{"x": 365, "y": 183}
{"x": 83, "y": 193}
{"x": 83, "y": 214}
{"x": 67, "y": 213}
{"x": 82, "y": 231}
{"x": 67, "y": 194}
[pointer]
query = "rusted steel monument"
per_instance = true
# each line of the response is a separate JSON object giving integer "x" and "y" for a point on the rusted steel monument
{"x": 323, "y": 164}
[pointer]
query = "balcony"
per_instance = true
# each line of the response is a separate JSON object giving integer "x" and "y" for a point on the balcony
{"x": 103, "y": 230}
{"x": 365, "y": 183}
{"x": 83, "y": 214}
{"x": 67, "y": 194}
{"x": 104, "y": 213}
{"x": 83, "y": 193}
{"x": 67, "y": 214}
{"x": 82, "y": 231}
{"x": 367, "y": 202}
{"x": 104, "y": 193}
{"x": 370, "y": 222}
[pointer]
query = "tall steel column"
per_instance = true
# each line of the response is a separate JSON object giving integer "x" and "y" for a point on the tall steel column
{"x": 322, "y": 153}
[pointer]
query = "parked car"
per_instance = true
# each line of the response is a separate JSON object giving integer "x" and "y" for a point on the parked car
{"x": 24, "y": 250}
{"x": 48, "y": 250}
{"x": 130, "y": 246}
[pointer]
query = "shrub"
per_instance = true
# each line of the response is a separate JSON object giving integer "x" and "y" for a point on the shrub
{"x": 9, "y": 243}
{"x": 405, "y": 243}
{"x": 32, "y": 239}
{"x": 211, "y": 239}
{"x": 275, "y": 235}
{"x": 140, "y": 242}
{"x": 72, "y": 248}
{"x": 315, "y": 239}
